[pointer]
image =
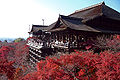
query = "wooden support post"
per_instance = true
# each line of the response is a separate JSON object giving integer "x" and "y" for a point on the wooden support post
{"x": 69, "y": 43}
{"x": 77, "y": 41}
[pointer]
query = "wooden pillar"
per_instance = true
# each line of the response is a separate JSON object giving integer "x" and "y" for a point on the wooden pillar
{"x": 77, "y": 41}
{"x": 69, "y": 41}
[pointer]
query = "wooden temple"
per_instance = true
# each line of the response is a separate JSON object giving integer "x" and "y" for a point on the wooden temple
{"x": 70, "y": 32}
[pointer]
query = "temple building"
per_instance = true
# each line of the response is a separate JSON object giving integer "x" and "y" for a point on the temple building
{"x": 72, "y": 31}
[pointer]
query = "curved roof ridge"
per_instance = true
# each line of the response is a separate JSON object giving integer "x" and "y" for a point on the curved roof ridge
{"x": 69, "y": 17}
{"x": 39, "y": 25}
{"x": 86, "y": 8}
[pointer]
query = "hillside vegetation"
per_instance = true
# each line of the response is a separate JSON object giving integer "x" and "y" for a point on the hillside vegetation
{"x": 79, "y": 65}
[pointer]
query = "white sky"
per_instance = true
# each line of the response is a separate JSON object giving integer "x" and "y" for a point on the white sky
{"x": 17, "y": 15}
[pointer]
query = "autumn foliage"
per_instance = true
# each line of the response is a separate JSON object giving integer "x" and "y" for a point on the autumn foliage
{"x": 12, "y": 59}
{"x": 79, "y": 65}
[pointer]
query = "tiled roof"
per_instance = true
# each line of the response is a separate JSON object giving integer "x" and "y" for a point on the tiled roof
{"x": 96, "y": 18}
{"x": 96, "y": 10}
{"x": 36, "y": 28}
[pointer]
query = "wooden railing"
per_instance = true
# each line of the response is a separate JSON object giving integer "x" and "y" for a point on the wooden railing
{"x": 35, "y": 44}
{"x": 35, "y": 52}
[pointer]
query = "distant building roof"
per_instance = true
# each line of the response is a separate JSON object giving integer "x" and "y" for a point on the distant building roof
{"x": 36, "y": 28}
{"x": 39, "y": 28}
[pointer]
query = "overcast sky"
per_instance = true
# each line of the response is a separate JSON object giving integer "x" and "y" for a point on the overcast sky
{"x": 17, "y": 15}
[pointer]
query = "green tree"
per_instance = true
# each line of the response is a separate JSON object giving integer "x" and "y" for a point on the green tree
{"x": 19, "y": 39}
